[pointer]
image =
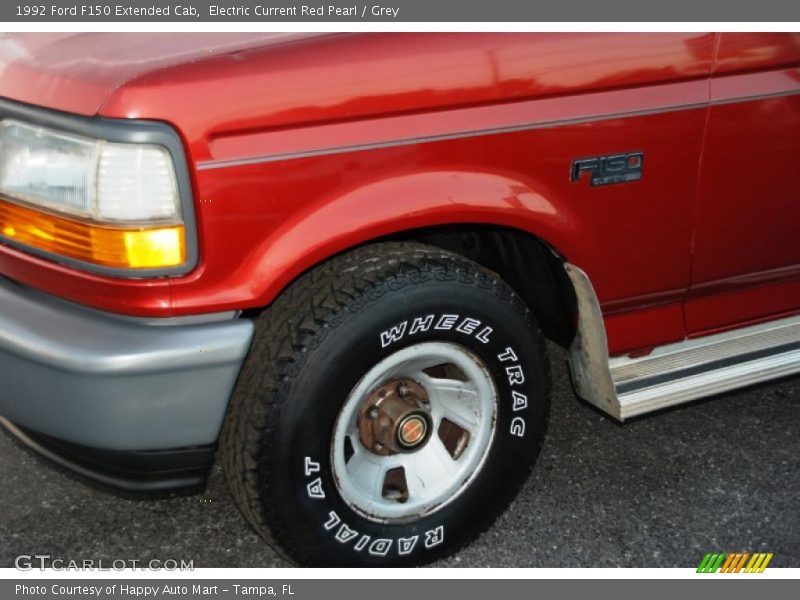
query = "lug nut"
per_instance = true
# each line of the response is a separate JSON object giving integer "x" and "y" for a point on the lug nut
{"x": 373, "y": 413}
{"x": 402, "y": 389}
{"x": 377, "y": 447}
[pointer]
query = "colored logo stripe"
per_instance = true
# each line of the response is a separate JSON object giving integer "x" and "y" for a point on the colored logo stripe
{"x": 734, "y": 563}
{"x": 758, "y": 563}
{"x": 710, "y": 563}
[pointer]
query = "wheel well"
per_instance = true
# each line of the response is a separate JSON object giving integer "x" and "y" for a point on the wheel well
{"x": 534, "y": 270}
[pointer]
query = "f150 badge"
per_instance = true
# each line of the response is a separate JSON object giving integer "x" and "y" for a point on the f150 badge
{"x": 605, "y": 170}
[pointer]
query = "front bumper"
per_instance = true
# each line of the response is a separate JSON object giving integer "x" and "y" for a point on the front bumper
{"x": 111, "y": 383}
{"x": 132, "y": 470}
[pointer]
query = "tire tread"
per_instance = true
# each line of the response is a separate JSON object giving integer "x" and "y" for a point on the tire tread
{"x": 298, "y": 320}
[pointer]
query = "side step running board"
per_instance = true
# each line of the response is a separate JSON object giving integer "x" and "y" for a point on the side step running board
{"x": 625, "y": 387}
{"x": 706, "y": 366}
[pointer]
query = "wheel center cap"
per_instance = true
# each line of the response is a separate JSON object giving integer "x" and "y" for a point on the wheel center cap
{"x": 412, "y": 430}
{"x": 394, "y": 418}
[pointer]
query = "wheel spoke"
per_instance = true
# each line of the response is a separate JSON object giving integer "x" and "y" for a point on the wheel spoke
{"x": 366, "y": 474}
{"x": 355, "y": 443}
{"x": 428, "y": 469}
{"x": 424, "y": 379}
{"x": 457, "y": 402}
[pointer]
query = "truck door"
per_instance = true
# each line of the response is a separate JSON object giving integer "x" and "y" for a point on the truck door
{"x": 746, "y": 248}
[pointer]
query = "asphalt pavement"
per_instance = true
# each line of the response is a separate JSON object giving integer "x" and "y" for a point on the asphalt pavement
{"x": 660, "y": 491}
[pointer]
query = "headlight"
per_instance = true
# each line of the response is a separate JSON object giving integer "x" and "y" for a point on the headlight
{"x": 110, "y": 204}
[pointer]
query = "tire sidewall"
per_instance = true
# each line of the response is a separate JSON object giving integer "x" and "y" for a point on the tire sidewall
{"x": 488, "y": 320}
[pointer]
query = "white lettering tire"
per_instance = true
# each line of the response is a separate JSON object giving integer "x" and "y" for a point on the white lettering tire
{"x": 293, "y": 445}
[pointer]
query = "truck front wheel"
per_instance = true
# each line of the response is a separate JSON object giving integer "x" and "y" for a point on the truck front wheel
{"x": 393, "y": 403}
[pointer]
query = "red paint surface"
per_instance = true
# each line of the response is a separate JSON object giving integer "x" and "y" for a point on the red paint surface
{"x": 260, "y": 225}
{"x": 78, "y": 72}
{"x": 746, "y": 263}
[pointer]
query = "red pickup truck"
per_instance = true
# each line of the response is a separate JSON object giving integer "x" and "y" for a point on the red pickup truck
{"x": 332, "y": 260}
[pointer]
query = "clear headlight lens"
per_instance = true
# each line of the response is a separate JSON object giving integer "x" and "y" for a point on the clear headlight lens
{"x": 89, "y": 178}
{"x": 102, "y": 202}
{"x": 47, "y": 168}
{"x": 136, "y": 183}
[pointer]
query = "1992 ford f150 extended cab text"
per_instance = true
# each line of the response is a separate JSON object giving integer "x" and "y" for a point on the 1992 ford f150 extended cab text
{"x": 332, "y": 260}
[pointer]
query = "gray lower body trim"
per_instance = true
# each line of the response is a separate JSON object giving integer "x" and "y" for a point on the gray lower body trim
{"x": 157, "y": 470}
{"x": 97, "y": 380}
{"x": 626, "y": 387}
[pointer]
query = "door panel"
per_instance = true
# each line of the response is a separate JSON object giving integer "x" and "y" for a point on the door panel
{"x": 746, "y": 260}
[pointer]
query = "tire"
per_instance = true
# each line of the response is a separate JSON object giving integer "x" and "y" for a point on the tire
{"x": 312, "y": 350}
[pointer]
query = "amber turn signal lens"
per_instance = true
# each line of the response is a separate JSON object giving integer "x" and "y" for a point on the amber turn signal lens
{"x": 121, "y": 247}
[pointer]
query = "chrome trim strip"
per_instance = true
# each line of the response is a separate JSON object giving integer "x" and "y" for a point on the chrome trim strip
{"x": 239, "y": 162}
{"x": 752, "y": 98}
{"x": 236, "y": 162}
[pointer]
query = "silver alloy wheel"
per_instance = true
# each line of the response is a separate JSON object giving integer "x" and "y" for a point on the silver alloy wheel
{"x": 461, "y": 405}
